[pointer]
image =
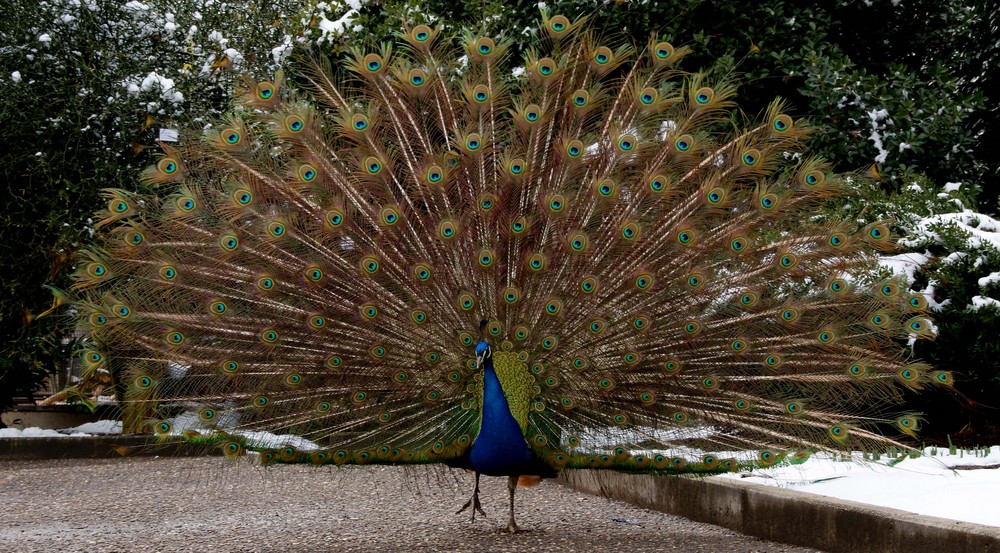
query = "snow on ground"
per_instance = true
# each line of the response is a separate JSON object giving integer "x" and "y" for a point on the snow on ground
{"x": 84, "y": 430}
{"x": 964, "y": 486}
{"x": 961, "y": 487}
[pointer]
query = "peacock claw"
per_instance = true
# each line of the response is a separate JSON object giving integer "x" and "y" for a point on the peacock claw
{"x": 474, "y": 503}
{"x": 512, "y": 528}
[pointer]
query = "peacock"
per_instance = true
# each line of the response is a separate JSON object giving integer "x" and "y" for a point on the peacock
{"x": 426, "y": 253}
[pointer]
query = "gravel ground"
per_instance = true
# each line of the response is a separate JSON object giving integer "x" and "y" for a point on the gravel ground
{"x": 210, "y": 504}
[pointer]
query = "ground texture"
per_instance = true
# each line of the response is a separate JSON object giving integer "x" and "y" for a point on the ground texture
{"x": 209, "y": 504}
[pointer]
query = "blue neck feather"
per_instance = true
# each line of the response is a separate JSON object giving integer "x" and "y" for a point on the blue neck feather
{"x": 500, "y": 448}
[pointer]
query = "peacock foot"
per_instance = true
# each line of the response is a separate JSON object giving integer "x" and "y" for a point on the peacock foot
{"x": 512, "y": 528}
{"x": 474, "y": 503}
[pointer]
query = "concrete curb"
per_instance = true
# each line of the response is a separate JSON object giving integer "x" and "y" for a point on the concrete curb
{"x": 786, "y": 516}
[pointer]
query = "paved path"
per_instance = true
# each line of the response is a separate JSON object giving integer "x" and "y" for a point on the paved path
{"x": 211, "y": 504}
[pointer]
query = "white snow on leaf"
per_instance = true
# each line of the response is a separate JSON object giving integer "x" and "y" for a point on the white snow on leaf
{"x": 876, "y": 116}
{"x": 989, "y": 279}
{"x": 904, "y": 264}
{"x": 44, "y": 38}
{"x": 979, "y": 302}
{"x": 338, "y": 26}
{"x": 155, "y": 81}
{"x": 952, "y": 186}
{"x": 15, "y": 76}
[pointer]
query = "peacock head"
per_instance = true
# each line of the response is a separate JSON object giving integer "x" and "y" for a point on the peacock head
{"x": 483, "y": 352}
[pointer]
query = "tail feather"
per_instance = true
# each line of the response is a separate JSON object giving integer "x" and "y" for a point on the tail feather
{"x": 318, "y": 266}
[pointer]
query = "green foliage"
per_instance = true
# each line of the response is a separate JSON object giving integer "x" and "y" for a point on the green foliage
{"x": 951, "y": 255}
{"x": 86, "y": 85}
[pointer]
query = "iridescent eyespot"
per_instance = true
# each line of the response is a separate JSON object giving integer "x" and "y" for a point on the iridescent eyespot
{"x": 473, "y": 141}
{"x": 231, "y": 136}
{"x": 486, "y": 258}
{"x": 606, "y": 188}
{"x": 648, "y": 96}
{"x": 602, "y": 55}
{"x": 559, "y": 23}
{"x": 186, "y": 203}
{"x": 269, "y": 336}
{"x": 422, "y": 272}
{"x": 118, "y": 206}
{"x": 588, "y": 285}
{"x": 167, "y": 166}
{"x": 265, "y": 282}
{"x": 644, "y": 281}
{"x": 546, "y": 66}
{"x": 536, "y": 262}
{"x": 481, "y": 93}
{"x": 218, "y": 307}
{"x": 657, "y": 183}
{"x": 704, "y": 95}
{"x": 372, "y": 62}
{"x": 485, "y": 46}
{"x": 837, "y": 285}
{"x": 556, "y": 203}
{"x": 243, "y": 196}
{"x": 421, "y": 33}
{"x": 626, "y": 142}
{"x": 684, "y": 143}
{"x": 447, "y": 229}
{"x": 294, "y": 123}
{"x": 276, "y": 229}
{"x": 265, "y": 90}
{"x": 749, "y": 298}
{"x": 750, "y": 157}
{"x": 417, "y": 77}
{"x": 389, "y": 215}
{"x": 663, "y": 50}
{"x": 466, "y": 301}
{"x": 580, "y": 98}
{"x": 174, "y": 338}
{"x": 574, "y": 148}
{"x": 315, "y": 274}
{"x": 813, "y": 178}
{"x": 229, "y": 242}
{"x": 359, "y": 122}
{"x": 781, "y": 123}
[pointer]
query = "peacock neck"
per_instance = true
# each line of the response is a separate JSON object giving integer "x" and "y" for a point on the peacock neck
{"x": 500, "y": 448}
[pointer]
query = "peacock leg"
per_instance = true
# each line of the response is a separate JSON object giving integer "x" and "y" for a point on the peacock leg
{"x": 512, "y": 486}
{"x": 473, "y": 502}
